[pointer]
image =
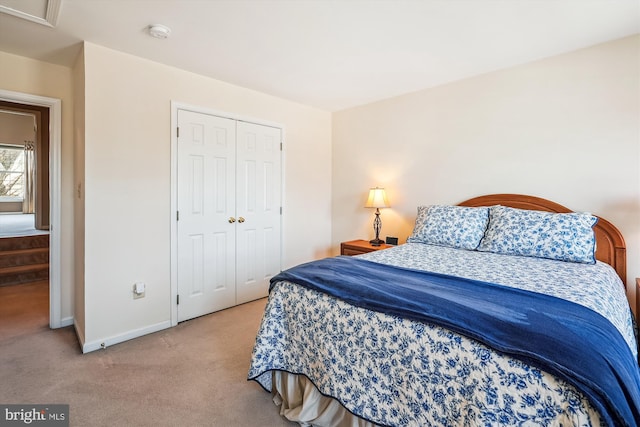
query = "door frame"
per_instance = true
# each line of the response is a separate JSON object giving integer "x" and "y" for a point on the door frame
{"x": 55, "y": 152}
{"x": 175, "y": 106}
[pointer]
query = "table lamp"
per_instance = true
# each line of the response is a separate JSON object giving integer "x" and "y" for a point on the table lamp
{"x": 377, "y": 199}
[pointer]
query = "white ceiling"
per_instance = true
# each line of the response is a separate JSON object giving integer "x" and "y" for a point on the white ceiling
{"x": 330, "y": 54}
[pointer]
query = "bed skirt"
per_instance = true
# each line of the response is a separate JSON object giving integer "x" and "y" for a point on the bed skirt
{"x": 300, "y": 401}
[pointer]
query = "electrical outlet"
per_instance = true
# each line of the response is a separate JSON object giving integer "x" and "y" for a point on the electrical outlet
{"x": 139, "y": 289}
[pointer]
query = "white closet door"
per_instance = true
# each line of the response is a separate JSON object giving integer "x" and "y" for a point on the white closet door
{"x": 258, "y": 203}
{"x": 206, "y": 202}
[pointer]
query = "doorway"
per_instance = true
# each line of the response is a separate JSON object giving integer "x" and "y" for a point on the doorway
{"x": 24, "y": 145}
{"x": 50, "y": 211}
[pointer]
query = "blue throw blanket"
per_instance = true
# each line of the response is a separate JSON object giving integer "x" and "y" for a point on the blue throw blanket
{"x": 558, "y": 336}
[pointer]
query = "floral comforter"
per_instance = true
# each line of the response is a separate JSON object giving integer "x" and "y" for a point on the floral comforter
{"x": 393, "y": 371}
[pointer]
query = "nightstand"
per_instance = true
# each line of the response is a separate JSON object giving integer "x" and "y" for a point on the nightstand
{"x": 359, "y": 247}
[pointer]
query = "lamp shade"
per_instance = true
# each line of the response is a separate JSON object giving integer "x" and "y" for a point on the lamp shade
{"x": 377, "y": 199}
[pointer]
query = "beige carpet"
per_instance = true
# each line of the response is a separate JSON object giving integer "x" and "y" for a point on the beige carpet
{"x": 190, "y": 375}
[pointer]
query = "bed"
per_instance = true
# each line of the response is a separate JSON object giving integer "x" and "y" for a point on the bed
{"x": 471, "y": 322}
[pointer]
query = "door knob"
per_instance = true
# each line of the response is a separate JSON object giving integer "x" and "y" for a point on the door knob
{"x": 241, "y": 220}
{"x": 232, "y": 220}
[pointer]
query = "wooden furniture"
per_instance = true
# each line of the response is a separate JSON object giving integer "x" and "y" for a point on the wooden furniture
{"x": 637, "y": 300}
{"x": 359, "y": 247}
{"x": 610, "y": 245}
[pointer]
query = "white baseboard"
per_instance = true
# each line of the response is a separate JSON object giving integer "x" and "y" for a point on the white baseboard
{"x": 107, "y": 342}
{"x": 67, "y": 321}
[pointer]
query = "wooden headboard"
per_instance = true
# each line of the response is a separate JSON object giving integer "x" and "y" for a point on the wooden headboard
{"x": 610, "y": 246}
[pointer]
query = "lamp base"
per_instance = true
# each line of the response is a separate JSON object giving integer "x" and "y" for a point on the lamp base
{"x": 376, "y": 242}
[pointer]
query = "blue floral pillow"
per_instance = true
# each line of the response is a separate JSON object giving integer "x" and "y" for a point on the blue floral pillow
{"x": 453, "y": 226}
{"x": 558, "y": 236}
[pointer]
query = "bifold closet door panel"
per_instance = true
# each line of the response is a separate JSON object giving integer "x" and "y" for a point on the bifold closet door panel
{"x": 206, "y": 201}
{"x": 258, "y": 207}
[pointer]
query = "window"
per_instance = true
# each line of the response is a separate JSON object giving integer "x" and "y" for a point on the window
{"x": 11, "y": 173}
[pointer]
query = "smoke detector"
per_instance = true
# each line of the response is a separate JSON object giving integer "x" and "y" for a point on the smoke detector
{"x": 159, "y": 31}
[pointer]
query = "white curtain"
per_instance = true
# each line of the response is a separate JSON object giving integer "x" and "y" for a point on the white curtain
{"x": 28, "y": 205}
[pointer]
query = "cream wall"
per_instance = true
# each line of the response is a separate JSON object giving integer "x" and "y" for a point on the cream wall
{"x": 127, "y": 182}
{"x": 565, "y": 128}
{"x": 24, "y": 75}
